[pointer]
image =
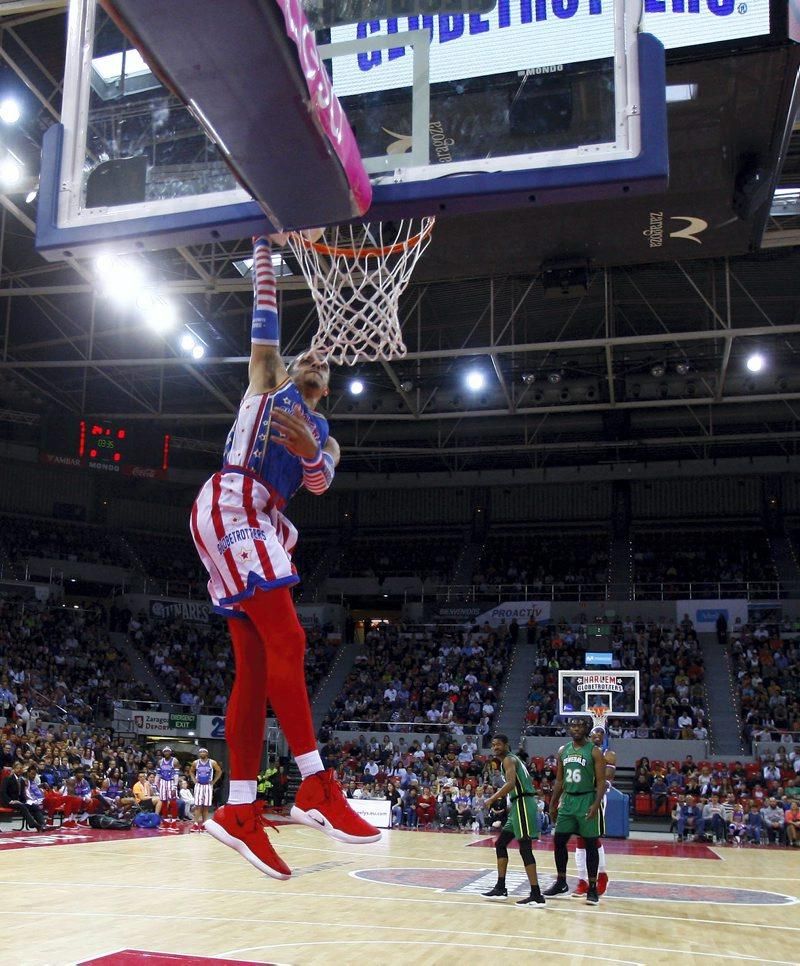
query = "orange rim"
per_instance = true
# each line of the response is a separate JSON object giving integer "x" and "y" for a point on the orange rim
{"x": 356, "y": 253}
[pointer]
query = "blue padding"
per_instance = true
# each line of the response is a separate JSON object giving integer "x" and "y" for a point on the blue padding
{"x": 618, "y": 819}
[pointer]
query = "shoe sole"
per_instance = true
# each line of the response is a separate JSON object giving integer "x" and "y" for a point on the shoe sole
{"x": 222, "y": 835}
{"x": 323, "y": 825}
{"x": 496, "y": 898}
{"x": 590, "y": 903}
{"x": 531, "y": 905}
{"x": 577, "y": 895}
{"x": 558, "y": 895}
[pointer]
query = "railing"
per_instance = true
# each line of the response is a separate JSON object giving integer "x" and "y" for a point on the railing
{"x": 668, "y": 590}
{"x": 406, "y": 727}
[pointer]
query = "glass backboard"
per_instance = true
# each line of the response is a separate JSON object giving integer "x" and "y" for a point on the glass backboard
{"x": 456, "y": 105}
{"x": 615, "y": 691}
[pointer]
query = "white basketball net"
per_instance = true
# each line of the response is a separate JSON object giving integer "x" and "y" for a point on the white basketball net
{"x": 599, "y": 716}
{"x": 357, "y": 274}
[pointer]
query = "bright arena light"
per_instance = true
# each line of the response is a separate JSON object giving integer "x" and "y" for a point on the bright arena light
{"x": 158, "y": 313}
{"x": 10, "y": 172}
{"x": 123, "y": 281}
{"x": 9, "y": 111}
{"x": 188, "y": 342}
{"x": 755, "y": 362}
{"x": 475, "y": 380}
{"x": 356, "y": 387}
{"x": 198, "y": 351}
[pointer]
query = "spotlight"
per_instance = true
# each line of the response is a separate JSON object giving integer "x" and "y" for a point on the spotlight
{"x": 755, "y": 362}
{"x": 31, "y": 196}
{"x": 187, "y": 342}
{"x": 406, "y": 385}
{"x": 554, "y": 378}
{"x": 161, "y": 316}
{"x": 529, "y": 378}
{"x": 356, "y": 387}
{"x": 198, "y": 351}
{"x": 10, "y": 172}
{"x": 658, "y": 370}
{"x": 683, "y": 368}
{"x": 122, "y": 281}
{"x": 475, "y": 380}
{"x": 9, "y": 111}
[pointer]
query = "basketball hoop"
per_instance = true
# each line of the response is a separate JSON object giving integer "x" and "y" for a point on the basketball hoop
{"x": 357, "y": 274}
{"x": 598, "y": 714}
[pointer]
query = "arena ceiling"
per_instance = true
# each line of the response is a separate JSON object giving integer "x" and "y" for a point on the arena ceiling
{"x": 596, "y": 346}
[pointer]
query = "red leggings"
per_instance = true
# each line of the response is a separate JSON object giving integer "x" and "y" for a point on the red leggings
{"x": 269, "y": 650}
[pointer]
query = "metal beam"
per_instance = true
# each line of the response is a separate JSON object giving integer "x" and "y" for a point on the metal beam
{"x": 573, "y": 345}
{"x": 195, "y": 417}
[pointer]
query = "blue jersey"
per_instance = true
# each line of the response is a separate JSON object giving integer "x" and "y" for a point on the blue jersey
{"x": 249, "y": 445}
{"x": 166, "y": 770}
{"x": 204, "y": 771}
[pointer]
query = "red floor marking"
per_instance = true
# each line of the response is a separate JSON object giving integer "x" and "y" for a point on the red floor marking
{"x": 84, "y": 836}
{"x": 654, "y": 847}
{"x": 137, "y": 957}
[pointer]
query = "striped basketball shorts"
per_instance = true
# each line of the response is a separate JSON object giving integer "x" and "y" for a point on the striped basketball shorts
{"x": 203, "y": 795}
{"x": 243, "y": 539}
{"x": 167, "y": 790}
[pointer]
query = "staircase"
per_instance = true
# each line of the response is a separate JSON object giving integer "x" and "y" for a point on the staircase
{"x": 332, "y": 684}
{"x": 142, "y": 671}
{"x": 514, "y": 699}
{"x": 725, "y": 725}
{"x": 465, "y": 565}
{"x": 785, "y": 561}
{"x": 620, "y": 568}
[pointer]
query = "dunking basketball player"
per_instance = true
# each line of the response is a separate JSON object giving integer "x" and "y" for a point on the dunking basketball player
{"x": 277, "y": 444}
{"x": 167, "y": 771}
{"x": 597, "y": 736}
{"x": 575, "y": 806}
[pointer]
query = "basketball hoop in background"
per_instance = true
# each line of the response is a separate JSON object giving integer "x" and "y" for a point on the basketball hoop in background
{"x": 357, "y": 274}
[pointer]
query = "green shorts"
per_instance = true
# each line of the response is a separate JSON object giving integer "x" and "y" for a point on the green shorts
{"x": 523, "y": 818}
{"x": 571, "y": 818}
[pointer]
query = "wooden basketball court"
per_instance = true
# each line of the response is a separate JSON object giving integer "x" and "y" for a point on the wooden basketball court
{"x": 79, "y": 895}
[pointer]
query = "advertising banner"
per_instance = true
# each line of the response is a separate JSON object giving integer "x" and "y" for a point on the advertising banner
{"x": 518, "y": 36}
{"x": 194, "y": 611}
{"x": 521, "y": 611}
{"x": 704, "y": 613}
{"x": 183, "y": 722}
{"x": 378, "y": 813}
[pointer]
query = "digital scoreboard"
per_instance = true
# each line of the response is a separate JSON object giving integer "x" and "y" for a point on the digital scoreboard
{"x": 106, "y": 445}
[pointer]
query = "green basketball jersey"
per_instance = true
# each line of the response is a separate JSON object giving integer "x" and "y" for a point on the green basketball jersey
{"x": 523, "y": 784}
{"x": 578, "y": 768}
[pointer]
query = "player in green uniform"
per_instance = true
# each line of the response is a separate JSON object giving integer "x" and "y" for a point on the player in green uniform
{"x": 522, "y": 823}
{"x": 575, "y": 805}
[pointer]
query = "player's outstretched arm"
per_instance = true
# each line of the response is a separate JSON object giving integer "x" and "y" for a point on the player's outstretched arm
{"x": 266, "y": 369}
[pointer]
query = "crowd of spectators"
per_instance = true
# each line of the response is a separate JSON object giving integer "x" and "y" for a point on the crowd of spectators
{"x": 58, "y": 663}
{"x": 542, "y": 561}
{"x": 422, "y": 555}
{"x": 438, "y": 782}
{"x": 24, "y": 537}
{"x": 766, "y": 667}
{"x": 170, "y": 559}
{"x": 409, "y": 677}
{"x": 673, "y": 557}
{"x": 671, "y": 675}
{"x": 195, "y": 663}
{"x": 757, "y": 802}
{"x": 78, "y": 771}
